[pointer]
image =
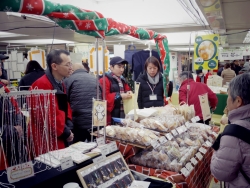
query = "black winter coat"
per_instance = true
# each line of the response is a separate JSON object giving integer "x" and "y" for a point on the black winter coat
{"x": 145, "y": 91}
{"x": 81, "y": 89}
{"x": 30, "y": 78}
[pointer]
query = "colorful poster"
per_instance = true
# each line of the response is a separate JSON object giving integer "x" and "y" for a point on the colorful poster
{"x": 206, "y": 52}
{"x": 99, "y": 113}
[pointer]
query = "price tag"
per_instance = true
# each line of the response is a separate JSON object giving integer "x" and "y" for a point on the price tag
{"x": 155, "y": 144}
{"x": 174, "y": 132}
{"x": 210, "y": 139}
{"x": 112, "y": 147}
{"x": 99, "y": 159}
{"x": 215, "y": 134}
{"x": 203, "y": 150}
{"x": 169, "y": 136}
{"x": 184, "y": 128}
{"x": 199, "y": 156}
{"x": 185, "y": 172}
{"x": 189, "y": 167}
{"x": 194, "y": 161}
{"x": 100, "y": 141}
{"x": 208, "y": 143}
{"x": 66, "y": 162}
{"x": 179, "y": 130}
{"x": 187, "y": 124}
{"x": 163, "y": 140}
{"x": 197, "y": 118}
{"x": 193, "y": 120}
{"x": 104, "y": 150}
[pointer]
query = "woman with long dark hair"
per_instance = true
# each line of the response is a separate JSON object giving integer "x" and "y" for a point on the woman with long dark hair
{"x": 32, "y": 73}
{"x": 151, "y": 85}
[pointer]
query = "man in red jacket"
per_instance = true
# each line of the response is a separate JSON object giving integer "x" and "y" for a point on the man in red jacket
{"x": 116, "y": 89}
{"x": 59, "y": 66}
{"x": 189, "y": 93}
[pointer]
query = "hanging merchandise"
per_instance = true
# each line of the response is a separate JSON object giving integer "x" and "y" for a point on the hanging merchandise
{"x": 139, "y": 59}
{"x": 92, "y": 60}
{"x": 37, "y": 55}
{"x": 206, "y": 52}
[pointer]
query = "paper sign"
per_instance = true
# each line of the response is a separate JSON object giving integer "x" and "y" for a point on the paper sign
{"x": 174, "y": 132}
{"x": 66, "y": 162}
{"x": 205, "y": 109}
{"x": 163, "y": 140}
{"x": 112, "y": 147}
{"x": 179, "y": 130}
{"x": 210, "y": 139}
{"x": 99, "y": 113}
{"x": 189, "y": 167}
{"x": 194, "y": 161}
{"x": 197, "y": 118}
{"x": 105, "y": 149}
{"x": 203, "y": 150}
{"x": 187, "y": 124}
{"x": 155, "y": 144}
{"x": 185, "y": 172}
{"x": 141, "y": 184}
{"x": 215, "y": 134}
{"x": 99, "y": 159}
{"x": 100, "y": 141}
{"x": 208, "y": 143}
{"x": 193, "y": 120}
{"x": 199, "y": 156}
{"x": 20, "y": 172}
{"x": 184, "y": 128}
{"x": 169, "y": 136}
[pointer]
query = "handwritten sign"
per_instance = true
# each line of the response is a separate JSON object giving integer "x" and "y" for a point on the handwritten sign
{"x": 20, "y": 172}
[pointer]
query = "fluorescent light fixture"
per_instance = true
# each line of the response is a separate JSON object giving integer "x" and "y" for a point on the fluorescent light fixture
{"x": 247, "y": 38}
{"x": 8, "y": 34}
{"x": 38, "y": 41}
{"x": 182, "y": 49}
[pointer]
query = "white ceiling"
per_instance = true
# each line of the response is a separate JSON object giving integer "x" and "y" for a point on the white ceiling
{"x": 164, "y": 16}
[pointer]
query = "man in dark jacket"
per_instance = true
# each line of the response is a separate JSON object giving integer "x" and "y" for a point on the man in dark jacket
{"x": 81, "y": 89}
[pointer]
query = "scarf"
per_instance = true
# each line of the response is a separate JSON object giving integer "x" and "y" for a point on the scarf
{"x": 153, "y": 80}
{"x": 122, "y": 115}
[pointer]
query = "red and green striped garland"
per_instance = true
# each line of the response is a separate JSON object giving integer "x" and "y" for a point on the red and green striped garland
{"x": 90, "y": 23}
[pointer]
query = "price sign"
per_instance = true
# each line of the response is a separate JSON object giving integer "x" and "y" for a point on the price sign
{"x": 174, "y": 132}
{"x": 199, "y": 156}
{"x": 66, "y": 163}
{"x": 104, "y": 150}
{"x": 208, "y": 143}
{"x": 197, "y": 118}
{"x": 100, "y": 141}
{"x": 179, "y": 130}
{"x": 210, "y": 139}
{"x": 215, "y": 134}
{"x": 112, "y": 146}
{"x": 203, "y": 150}
{"x": 189, "y": 167}
{"x": 194, "y": 161}
{"x": 184, "y": 128}
{"x": 187, "y": 124}
{"x": 169, "y": 136}
{"x": 185, "y": 172}
{"x": 193, "y": 120}
{"x": 163, "y": 140}
{"x": 99, "y": 159}
{"x": 155, "y": 144}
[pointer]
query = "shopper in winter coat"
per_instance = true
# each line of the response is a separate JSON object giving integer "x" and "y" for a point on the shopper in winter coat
{"x": 81, "y": 89}
{"x": 4, "y": 76}
{"x": 227, "y": 74}
{"x": 32, "y": 73}
{"x": 116, "y": 89}
{"x": 151, "y": 92}
{"x": 196, "y": 89}
{"x": 59, "y": 66}
{"x": 201, "y": 77}
{"x": 233, "y": 153}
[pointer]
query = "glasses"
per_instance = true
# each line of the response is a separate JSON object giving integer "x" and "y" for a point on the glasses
{"x": 67, "y": 65}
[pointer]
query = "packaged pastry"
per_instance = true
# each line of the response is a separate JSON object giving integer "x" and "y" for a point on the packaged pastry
{"x": 110, "y": 131}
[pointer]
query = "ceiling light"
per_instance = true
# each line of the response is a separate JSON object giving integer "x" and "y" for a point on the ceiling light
{"x": 38, "y": 41}
{"x": 8, "y": 34}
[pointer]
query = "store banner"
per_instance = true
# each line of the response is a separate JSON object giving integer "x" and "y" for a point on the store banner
{"x": 205, "y": 107}
{"x": 206, "y": 52}
{"x": 99, "y": 113}
{"x": 230, "y": 55}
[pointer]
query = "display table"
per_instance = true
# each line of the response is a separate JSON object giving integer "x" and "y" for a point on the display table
{"x": 222, "y": 102}
{"x": 53, "y": 177}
